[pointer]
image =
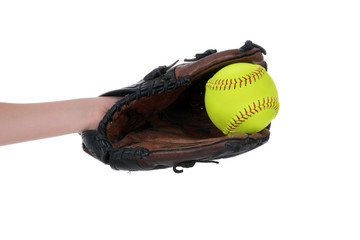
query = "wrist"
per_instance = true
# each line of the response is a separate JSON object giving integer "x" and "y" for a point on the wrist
{"x": 99, "y": 107}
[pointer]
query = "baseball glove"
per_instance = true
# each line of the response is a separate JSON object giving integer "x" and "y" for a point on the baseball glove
{"x": 161, "y": 121}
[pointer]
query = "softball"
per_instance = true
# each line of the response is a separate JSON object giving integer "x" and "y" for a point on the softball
{"x": 241, "y": 97}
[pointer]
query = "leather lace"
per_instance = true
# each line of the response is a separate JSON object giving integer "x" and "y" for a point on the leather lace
{"x": 189, "y": 164}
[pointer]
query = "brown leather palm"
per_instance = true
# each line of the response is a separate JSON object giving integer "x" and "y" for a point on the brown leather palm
{"x": 162, "y": 122}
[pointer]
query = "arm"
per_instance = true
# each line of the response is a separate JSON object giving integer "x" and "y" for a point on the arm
{"x": 25, "y": 122}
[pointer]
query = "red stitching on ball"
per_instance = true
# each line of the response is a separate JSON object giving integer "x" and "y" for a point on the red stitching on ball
{"x": 245, "y": 80}
{"x": 255, "y": 108}
{"x": 240, "y": 82}
{"x": 249, "y": 78}
{"x": 242, "y": 116}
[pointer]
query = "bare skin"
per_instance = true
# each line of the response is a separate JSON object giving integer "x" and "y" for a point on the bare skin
{"x": 31, "y": 121}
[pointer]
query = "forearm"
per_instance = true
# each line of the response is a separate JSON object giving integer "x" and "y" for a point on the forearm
{"x": 25, "y": 122}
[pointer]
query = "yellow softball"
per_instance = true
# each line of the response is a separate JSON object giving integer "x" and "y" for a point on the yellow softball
{"x": 241, "y": 97}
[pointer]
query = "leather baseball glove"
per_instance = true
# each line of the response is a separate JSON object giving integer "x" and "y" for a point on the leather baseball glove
{"x": 161, "y": 121}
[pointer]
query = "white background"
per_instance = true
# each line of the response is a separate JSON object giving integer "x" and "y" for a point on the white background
{"x": 302, "y": 184}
